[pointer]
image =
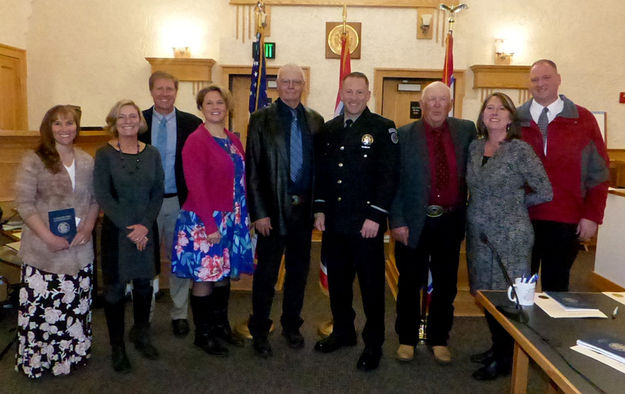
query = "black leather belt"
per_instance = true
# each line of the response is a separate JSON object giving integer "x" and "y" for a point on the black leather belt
{"x": 297, "y": 200}
{"x": 434, "y": 211}
{"x": 170, "y": 195}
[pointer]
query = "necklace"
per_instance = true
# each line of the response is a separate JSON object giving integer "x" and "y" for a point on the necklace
{"x": 121, "y": 156}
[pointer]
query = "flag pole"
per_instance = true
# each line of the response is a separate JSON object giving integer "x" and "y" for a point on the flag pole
{"x": 261, "y": 21}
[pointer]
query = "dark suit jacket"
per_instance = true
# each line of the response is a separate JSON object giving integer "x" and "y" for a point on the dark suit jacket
{"x": 186, "y": 123}
{"x": 412, "y": 197}
{"x": 267, "y": 165}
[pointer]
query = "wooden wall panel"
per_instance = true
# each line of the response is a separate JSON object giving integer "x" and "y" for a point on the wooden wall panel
{"x": 13, "y": 145}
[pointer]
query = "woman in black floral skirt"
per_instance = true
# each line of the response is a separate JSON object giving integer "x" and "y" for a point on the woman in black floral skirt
{"x": 54, "y": 320}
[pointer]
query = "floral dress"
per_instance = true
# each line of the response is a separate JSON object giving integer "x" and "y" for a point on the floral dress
{"x": 194, "y": 257}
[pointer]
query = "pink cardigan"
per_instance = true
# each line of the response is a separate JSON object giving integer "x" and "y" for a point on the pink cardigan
{"x": 209, "y": 175}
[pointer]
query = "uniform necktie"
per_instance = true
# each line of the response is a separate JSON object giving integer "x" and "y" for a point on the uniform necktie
{"x": 296, "y": 149}
{"x": 161, "y": 138}
{"x": 348, "y": 123}
{"x": 543, "y": 122}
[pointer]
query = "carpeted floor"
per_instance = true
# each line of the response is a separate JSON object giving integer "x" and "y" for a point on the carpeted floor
{"x": 182, "y": 368}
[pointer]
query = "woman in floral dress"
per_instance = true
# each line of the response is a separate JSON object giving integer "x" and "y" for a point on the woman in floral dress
{"x": 212, "y": 242}
{"x": 54, "y": 318}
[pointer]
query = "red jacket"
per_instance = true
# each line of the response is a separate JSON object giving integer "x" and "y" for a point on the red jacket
{"x": 576, "y": 163}
{"x": 209, "y": 175}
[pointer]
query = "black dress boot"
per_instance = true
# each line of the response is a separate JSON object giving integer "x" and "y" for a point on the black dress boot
{"x": 260, "y": 333}
{"x": 142, "y": 302}
{"x": 222, "y": 327}
{"x": 115, "y": 322}
{"x": 204, "y": 337}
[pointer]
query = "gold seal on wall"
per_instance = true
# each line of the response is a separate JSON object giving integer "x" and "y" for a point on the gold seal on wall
{"x": 334, "y": 39}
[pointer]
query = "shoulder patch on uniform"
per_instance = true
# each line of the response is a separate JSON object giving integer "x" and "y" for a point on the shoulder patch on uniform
{"x": 394, "y": 136}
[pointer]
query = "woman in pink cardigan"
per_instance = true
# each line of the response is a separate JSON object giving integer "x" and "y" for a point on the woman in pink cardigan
{"x": 212, "y": 241}
{"x": 54, "y": 317}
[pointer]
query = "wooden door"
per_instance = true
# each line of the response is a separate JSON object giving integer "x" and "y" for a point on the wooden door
{"x": 240, "y": 88}
{"x": 13, "y": 103}
{"x": 396, "y": 104}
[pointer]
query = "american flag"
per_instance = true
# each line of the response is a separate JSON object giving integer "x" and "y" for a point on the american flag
{"x": 258, "y": 86}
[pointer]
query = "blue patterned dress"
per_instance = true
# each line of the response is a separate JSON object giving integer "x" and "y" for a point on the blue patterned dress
{"x": 194, "y": 257}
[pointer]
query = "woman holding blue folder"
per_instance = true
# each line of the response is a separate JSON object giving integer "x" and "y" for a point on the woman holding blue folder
{"x": 54, "y": 317}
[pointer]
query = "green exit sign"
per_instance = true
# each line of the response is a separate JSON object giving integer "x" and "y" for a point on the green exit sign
{"x": 270, "y": 50}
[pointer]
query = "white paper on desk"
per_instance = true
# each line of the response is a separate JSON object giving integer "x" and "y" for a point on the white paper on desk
{"x": 616, "y": 296}
{"x": 555, "y": 310}
{"x": 600, "y": 357}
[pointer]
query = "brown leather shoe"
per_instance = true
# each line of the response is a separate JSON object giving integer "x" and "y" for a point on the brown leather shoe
{"x": 405, "y": 353}
{"x": 442, "y": 355}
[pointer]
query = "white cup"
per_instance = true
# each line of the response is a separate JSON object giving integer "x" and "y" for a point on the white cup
{"x": 525, "y": 291}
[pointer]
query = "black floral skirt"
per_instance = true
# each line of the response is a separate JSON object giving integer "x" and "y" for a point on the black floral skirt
{"x": 54, "y": 321}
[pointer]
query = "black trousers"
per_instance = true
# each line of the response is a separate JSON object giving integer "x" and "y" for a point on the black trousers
{"x": 296, "y": 247}
{"x": 439, "y": 250}
{"x": 555, "y": 248}
{"x": 346, "y": 256}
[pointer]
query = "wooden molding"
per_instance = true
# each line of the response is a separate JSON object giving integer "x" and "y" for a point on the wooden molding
{"x": 604, "y": 284}
{"x": 185, "y": 69}
{"x": 500, "y": 76}
{"x": 488, "y": 78}
{"x": 353, "y": 3}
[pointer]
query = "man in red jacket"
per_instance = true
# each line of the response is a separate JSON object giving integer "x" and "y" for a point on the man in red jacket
{"x": 567, "y": 139}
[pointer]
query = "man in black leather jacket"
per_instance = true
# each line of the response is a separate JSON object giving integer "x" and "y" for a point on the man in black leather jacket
{"x": 279, "y": 169}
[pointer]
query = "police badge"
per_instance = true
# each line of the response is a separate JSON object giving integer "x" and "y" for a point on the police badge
{"x": 366, "y": 140}
{"x": 394, "y": 136}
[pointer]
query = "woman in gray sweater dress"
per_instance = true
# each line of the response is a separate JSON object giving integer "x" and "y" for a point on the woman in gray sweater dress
{"x": 128, "y": 178}
{"x": 504, "y": 177}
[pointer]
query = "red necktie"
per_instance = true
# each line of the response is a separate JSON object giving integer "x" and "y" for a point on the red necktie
{"x": 442, "y": 169}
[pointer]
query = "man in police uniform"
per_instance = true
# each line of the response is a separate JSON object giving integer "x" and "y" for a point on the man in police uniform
{"x": 357, "y": 174}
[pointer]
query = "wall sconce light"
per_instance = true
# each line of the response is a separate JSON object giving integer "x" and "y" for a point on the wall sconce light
{"x": 182, "y": 52}
{"x": 426, "y": 22}
{"x": 503, "y": 53}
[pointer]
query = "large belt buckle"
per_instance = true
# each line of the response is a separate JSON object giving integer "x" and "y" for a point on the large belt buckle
{"x": 296, "y": 200}
{"x": 434, "y": 211}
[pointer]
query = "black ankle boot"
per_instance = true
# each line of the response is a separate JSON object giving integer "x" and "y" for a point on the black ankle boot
{"x": 484, "y": 357}
{"x": 142, "y": 302}
{"x": 143, "y": 343}
{"x": 493, "y": 370}
{"x": 222, "y": 327}
{"x": 204, "y": 337}
{"x": 119, "y": 359}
